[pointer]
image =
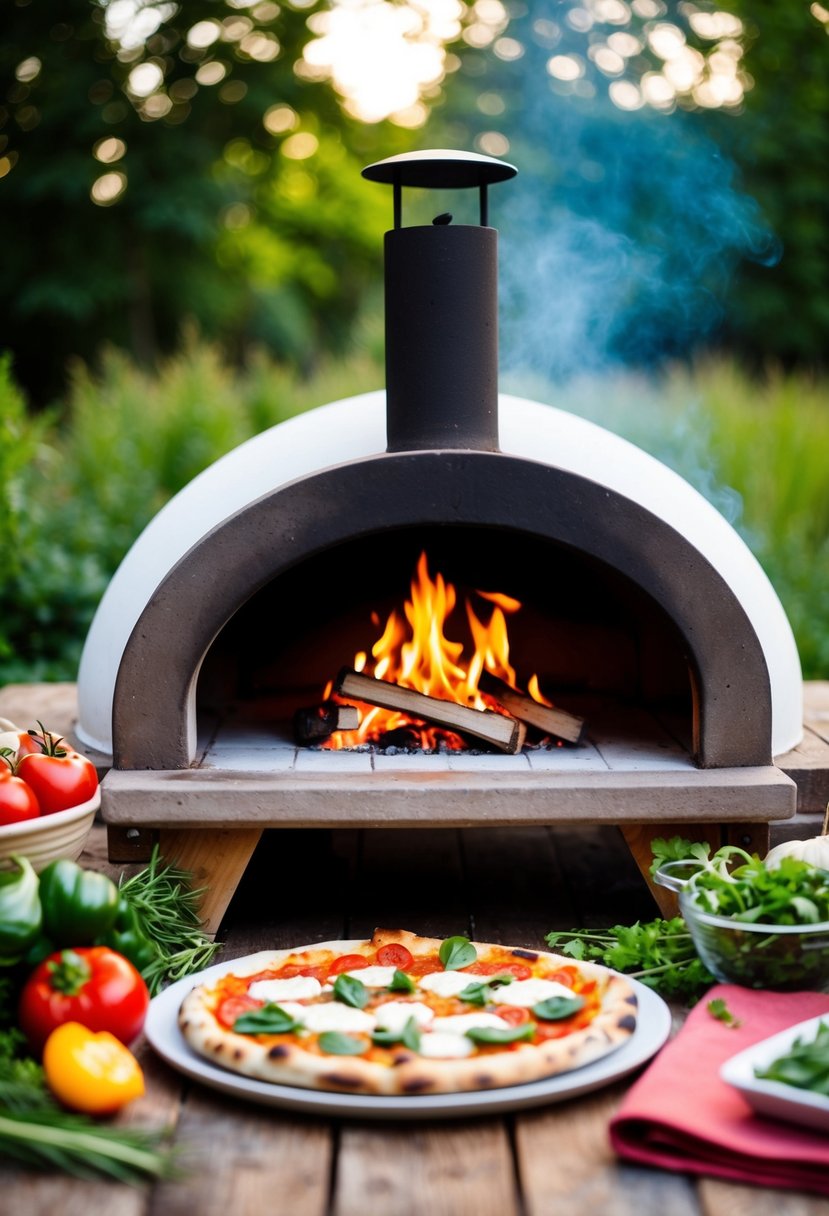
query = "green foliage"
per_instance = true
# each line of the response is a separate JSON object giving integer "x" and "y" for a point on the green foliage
{"x": 75, "y": 492}
{"x": 217, "y": 218}
{"x": 780, "y": 141}
{"x": 754, "y": 446}
{"x": 659, "y": 953}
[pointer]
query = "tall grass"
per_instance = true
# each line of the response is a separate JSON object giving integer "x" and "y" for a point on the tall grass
{"x": 78, "y": 484}
{"x": 756, "y": 446}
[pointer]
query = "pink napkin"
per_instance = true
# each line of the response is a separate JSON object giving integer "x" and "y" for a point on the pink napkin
{"x": 680, "y": 1116}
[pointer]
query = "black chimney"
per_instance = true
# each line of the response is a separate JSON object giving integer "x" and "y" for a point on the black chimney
{"x": 441, "y": 285}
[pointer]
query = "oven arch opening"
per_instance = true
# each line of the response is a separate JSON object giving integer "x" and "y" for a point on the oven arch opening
{"x": 154, "y": 712}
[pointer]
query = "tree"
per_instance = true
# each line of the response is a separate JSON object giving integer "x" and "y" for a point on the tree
{"x": 177, "y": 165}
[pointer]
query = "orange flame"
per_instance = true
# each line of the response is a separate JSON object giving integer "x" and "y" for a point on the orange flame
{"x": 415, "y": 653}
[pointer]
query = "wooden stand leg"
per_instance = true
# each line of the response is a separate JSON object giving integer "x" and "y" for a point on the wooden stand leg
{"x": 640, "y": 836}
{"x": 217, "y": 859}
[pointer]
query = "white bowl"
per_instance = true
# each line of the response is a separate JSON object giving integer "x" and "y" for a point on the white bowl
{"x": 772, "y": 1098}
{"x": 41, "y": 840}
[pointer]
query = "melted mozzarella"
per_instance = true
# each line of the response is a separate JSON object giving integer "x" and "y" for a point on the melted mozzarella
{"x": 447, "y": 983}
{"x": 394, "y": 1015}
{"x": 300, "y": 988}
{"x": 459, "y": 1023}
{"x": 333, "y": 1015}
{"x": 441, "y": 1046}
{"x": 526, "y": 993}
{"x": 374, "y": 977}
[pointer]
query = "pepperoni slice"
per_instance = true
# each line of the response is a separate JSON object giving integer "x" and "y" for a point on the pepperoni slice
{"x": 395, "y": 955}
{"x": 232, "y": 1007}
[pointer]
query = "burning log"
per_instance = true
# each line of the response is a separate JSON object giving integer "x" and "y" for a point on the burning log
{"x": 316, "y": 723}
{"x": 556, "y": 722}
{"x": 506, "y": 733}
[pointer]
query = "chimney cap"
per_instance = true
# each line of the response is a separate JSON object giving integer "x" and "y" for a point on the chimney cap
{"x": 439, "y": 168}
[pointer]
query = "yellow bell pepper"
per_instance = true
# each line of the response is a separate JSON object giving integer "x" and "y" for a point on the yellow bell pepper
{"x": 89, "y": 1072}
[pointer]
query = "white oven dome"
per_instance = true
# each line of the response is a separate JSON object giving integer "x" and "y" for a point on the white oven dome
{"x": 355, "y": 427}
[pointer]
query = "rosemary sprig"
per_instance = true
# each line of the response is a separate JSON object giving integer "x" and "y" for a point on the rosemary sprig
{"x": 52, "y": 1138}
{"x": 36, "y": 1131}
{"x": 167, "y": 908}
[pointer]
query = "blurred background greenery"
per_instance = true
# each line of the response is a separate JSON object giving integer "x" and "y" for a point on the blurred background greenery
{"x": 192, "y": 254}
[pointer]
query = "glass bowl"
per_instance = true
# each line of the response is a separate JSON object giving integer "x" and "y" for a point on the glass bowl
{"x": 786, "y": 958}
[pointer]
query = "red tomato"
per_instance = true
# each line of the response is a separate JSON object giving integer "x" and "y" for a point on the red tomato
{"x": 92, "y": 985}
{"x": 425, "y": 966}
{"x": 292, "y": 970}
{"x": 394, "y": 955}
{"x": 29, "y": 744}
{"x": 518, "y": 971}
{"x": 232, "y": 1007}
{"x": 18, "y": 801}
{"x": 59, "y": 778}
{"x": 348, "y": 962}
{"x": 564, "y": 975}
{"x": 513, "y": 1015}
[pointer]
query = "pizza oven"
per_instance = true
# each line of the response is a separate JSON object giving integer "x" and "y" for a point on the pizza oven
{"x": 545, "y": 559}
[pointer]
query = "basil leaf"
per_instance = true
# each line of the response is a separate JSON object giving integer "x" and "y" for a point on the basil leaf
{"x": 270, "y": 1019}
{"x": 400, "y": 982}
{"x": 351, "y": 991}
{"x": 481, "y": 993}
{"x": 336, "y": 1044}
{"x": 409, "y": 1036}
{"x": 494, "y": 1034}
{"x": 457, "y": 952}
{"x": 805, "y": 1065}
{"x": 555, "y": 1008}
{"x": 475, "y": 994}
{"x": 385, "y": 1038}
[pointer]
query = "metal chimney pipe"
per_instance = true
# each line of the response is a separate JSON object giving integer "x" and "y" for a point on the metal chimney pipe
{"x": 441, "y": 303}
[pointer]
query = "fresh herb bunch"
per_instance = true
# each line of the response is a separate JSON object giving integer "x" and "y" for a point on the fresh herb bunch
{"x": 658, "y": 953}
{"x": 166, "y": 907}
{"x": 805, "y": 1065}
{"x": 793, "y": 893}
{"x": 36, "y": 1131}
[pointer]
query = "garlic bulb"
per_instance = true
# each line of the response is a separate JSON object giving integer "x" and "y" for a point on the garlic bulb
{"x": 10, "y": 735}
{"x": 814, "y": 850}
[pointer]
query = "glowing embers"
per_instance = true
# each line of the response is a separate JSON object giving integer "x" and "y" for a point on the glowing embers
{"x": 413, "y": 652}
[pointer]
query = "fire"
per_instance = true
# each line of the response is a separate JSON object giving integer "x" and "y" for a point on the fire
{"x": 414, "y": 652}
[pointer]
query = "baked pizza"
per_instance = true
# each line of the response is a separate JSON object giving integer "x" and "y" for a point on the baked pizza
{"x": 403, "y": 1014}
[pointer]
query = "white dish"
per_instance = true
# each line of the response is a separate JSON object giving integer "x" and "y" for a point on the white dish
{"x": 161, "y": 1029}
{"x": 774, "y": 1098}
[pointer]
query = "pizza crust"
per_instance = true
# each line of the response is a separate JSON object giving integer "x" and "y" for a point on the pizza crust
{"x": 288, "y": 1063}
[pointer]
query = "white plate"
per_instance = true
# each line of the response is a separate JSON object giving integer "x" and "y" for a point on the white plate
{"x": 161, "y": 1028}
{"x": 774, "y": 1098}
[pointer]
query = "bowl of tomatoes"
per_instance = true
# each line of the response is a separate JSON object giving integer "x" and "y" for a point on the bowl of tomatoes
{"x": 49, "y": 796}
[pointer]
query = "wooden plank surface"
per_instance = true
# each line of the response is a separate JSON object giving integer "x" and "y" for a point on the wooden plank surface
{"x": 306, "y": 885}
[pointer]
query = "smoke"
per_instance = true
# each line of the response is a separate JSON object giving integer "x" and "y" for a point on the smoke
{"x": 619, "y": 238}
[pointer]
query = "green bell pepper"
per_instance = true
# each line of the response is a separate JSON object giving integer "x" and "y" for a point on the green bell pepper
{"x": 21, "y": 916}
{"x": 78, "y": 905}
{"x": 128, "y": 938}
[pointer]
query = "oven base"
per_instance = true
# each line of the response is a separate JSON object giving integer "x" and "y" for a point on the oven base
{"x": 210, "y": 821}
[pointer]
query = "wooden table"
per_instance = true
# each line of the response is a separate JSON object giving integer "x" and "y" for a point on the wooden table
{"x": 511, "y": 885}
{"x": 503, "y": 884}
